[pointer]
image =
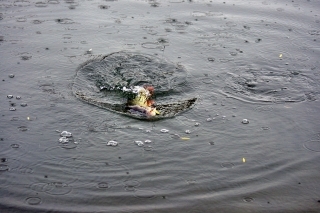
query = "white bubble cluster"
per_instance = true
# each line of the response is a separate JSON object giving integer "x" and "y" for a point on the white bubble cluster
{"x": 66, "y": 139}
{"x": 63, "y": 140}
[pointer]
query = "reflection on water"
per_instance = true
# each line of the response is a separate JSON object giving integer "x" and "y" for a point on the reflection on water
{"x": 250, "y": 144}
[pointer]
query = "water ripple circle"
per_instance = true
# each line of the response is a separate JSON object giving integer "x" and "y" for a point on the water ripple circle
{"x": 270, "y": 86}
{"x": 100, "y": 81}
{"x": 125, "y": 69}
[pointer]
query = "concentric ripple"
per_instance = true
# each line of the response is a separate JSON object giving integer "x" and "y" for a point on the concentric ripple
{"x": 270, "y": 86}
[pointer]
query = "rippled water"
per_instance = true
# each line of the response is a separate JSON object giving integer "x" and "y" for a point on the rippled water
{"x": 251, "y": 143}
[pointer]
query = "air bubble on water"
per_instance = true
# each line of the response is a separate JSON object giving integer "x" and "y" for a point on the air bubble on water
{"x": 139, "y": 143}
{"x": 209, "y": 119}
{"x": 23, "y": 104}
{"x": 245, "y": 121}
{"x": 12, "y": 109}
{"x": 15, "y": 146}
{"x": 112, "y": 143}
{"x": 63, "y": 140}
{"x": 147, "y": 141}
{"x": 9, "y": 96}
{"x": 164, "y": 130}
{"x": 18, "y": 97}
{"x": 187, "y": 131}
{"x": 66, "y": 134}
{"x": 197, "y": 124}
{"x": 11, "y": 75}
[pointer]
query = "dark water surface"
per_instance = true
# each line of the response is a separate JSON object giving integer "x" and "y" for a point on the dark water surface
{"x": 254, "y": 60}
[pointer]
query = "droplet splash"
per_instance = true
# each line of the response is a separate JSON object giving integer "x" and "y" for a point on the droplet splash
{"x": 15, "y": 146}
{"x": 245, "y": 121}
{"x": 164, "y": 130}
{"x": 139, "y": 143}
{"x": 66, "y": 134}
{"x": 112, "y": 143}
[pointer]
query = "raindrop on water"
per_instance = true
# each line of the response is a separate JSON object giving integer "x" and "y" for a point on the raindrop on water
{"x": 188, "y": 131}
{"x": 211, "y": 59}
{"x": 147, "y": 141}
{"x": 112, "y": 143}
{"x": 9, "y": 96}
{"x": 248, "y": 199}
{"x": 33, "y": 200}
{"x": 15, "y": 146}
{"x": 11, "y": 76}
{"x": 139, "y": 143}
{"x": 103, "y": 185}
{"x": 148, "y": 148}
{"x": 4, "y": 167}
{"x": 66, "y": 134}
{"x": 164, "y": 130}
{"x": 12, "y": 109}
{"x": 245, "y": 121}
